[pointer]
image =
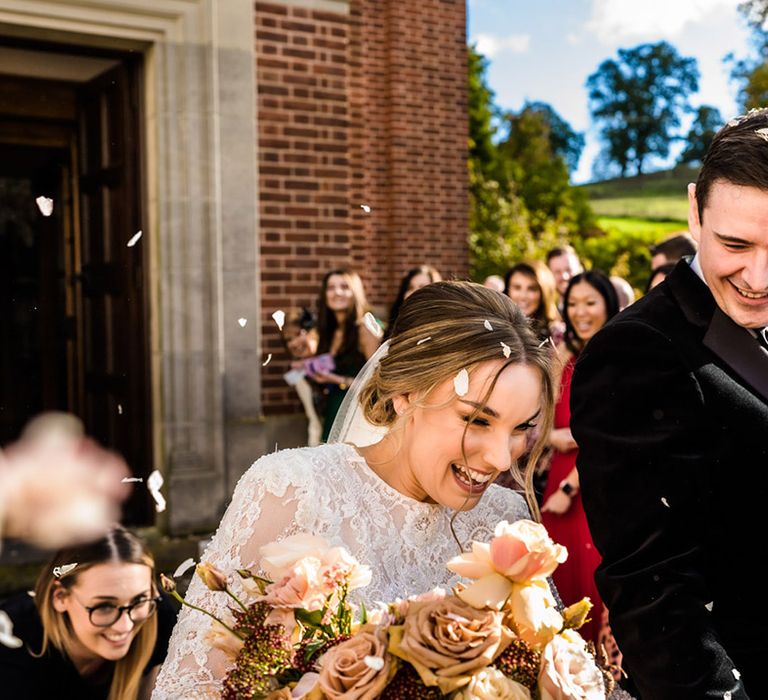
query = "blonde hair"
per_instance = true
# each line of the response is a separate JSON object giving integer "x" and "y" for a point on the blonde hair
{"x": 461, "y": 325}
{"x": 118, "y": 546}
{"x": 547, "y": 312}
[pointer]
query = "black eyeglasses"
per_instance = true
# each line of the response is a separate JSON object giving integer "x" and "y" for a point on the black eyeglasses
{"x": 107, "y": 614}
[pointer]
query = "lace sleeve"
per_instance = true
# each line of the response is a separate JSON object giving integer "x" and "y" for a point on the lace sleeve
{"x": 263, "y": 509}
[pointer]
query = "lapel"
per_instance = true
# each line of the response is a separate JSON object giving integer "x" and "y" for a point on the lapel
{"x": 734, "y": 345}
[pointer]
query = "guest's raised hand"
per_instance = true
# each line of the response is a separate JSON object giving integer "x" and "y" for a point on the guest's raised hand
{"x": 58, "y": 487}
{"x": 562, "y": 440}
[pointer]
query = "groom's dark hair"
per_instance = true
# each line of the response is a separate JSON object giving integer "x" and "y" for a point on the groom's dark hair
{"x": 738, "y": 154}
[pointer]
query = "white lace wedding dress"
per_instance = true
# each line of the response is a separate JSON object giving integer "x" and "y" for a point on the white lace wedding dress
{"x": 328, "y": 491}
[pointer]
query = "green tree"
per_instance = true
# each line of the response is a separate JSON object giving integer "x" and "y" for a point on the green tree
{"x": 563, "y": 139}
{"x": 752, "y": 72}
{"x": 706, "y": 124}
{"x": 637, "y": 100}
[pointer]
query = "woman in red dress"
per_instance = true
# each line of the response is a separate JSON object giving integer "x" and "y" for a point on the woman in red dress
{"x": 589, "y": 302}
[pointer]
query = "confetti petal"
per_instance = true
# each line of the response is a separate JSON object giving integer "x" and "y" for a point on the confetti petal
{"x": 736, "y": 673}
{"x": 182, "y": 568}
{"x": 487, "y": 325}
{"x": 131, "y": 480}
{"x": 279, "y": 318}
{"x": 727, "y": 695}
{"x": 370, "y": 322}
{"x": 7, "y": 637}
{"x": 243, "y": 321}
{"x": 461, "y": 383}
{"x": 710, "y": 605}
{"x": 45, "y": 205}
{"x": 506, "y": 350}
{"x": 664, "y": 501}
{"x": 135, "y": 239}
{"x": 374, "y": 662}
{"x": 365, "y": 208}
{"x": 63, "y": 570}
{"x": 424, "y": 340}
{"x": 266, "y": 362}
{"x": 31, "y": 594}
{"x": 154, "y": 483}
{"x": 120, "y": 409}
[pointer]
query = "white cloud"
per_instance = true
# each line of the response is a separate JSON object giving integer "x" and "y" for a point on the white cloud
{"x": 615, "y": 20}
{"x": 490, "y": 45}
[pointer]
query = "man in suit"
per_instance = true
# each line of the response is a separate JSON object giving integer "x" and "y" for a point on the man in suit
{"x": 670, "y": 412}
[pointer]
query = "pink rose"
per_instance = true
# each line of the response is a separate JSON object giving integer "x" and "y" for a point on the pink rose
{"x": 356, "y": 669}
{"x": 302, "y": 587}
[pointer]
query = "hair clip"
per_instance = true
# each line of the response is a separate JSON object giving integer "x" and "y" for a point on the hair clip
{"x": 63, "y": 570}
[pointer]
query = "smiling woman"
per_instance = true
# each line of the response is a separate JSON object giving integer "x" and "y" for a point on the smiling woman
{"x": 96, "y": 627}
{"x": 454, "y": 393}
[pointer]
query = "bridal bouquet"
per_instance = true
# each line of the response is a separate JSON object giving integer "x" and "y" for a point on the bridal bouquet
{"x": 501, "y": 636}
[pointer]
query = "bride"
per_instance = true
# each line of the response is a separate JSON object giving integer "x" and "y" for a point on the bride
{"x": 453, "y": 392}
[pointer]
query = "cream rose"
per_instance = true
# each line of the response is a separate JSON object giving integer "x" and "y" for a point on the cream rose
{"x": 448, "y": 640}
{"x": 491, "y": 684}
{"x": 357, "y": 669}
{"x": 534, "y": 612}
{"x": 568, "y": 672}
{"x": 302, "y": 587}
{"x": 278, "y": 558}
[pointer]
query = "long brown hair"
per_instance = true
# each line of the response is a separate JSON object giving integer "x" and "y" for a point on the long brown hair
{"x": 326, "y": 319}
{"x": 546, "y": 312}
{"x": 449, "y": 326}
{"x": 119, "y": 546}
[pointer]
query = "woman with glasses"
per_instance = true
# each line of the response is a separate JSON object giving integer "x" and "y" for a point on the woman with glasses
{"x": 95, "y": 628}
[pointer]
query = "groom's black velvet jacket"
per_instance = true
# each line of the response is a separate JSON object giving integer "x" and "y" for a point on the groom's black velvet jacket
{"x": 670, "y": 411}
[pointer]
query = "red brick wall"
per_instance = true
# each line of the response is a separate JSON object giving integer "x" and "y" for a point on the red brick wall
{"x": 361, "y": 108}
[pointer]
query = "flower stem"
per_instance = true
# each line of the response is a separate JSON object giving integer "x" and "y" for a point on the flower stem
{"x": 181, "y": 600}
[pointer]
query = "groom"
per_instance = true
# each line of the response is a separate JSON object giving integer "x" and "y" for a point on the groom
{"x": 670, "y": 412}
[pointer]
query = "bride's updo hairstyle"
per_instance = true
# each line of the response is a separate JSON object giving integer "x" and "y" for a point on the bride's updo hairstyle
{"x": 449, "y": 326}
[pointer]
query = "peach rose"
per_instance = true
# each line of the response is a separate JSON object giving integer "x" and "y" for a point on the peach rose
{"x": 568, "y": 672}
{"x": 447, "y": 641}
{"x": 220, "y": 637}
{"x": 278, "y": 558}
{"x": 535, "y": 613}
{"x": 358, "y": 668}
{"x": 521, "y": 551}
{"x": 303, "y": 586}
{"x": 340, "y": 564}
{"x": 491, "y": 684}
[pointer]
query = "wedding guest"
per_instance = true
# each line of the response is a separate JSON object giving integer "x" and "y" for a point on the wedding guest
{"x": 453, "y": 395}
{"x": 342, "y": 334}
{"x": 564, "y": 263}
{"x": 58, "y": 487}
{"x": 672, "y": 249}
{"x": 658, "y": 275}
{"x": 532, "y": 287}
{"x": 590, "y": 301}
{"x": 96, "y": 627}
{"x": 669, "y": 401}
{"x": 300, "y": 337}
{"x": 414, "y": 279}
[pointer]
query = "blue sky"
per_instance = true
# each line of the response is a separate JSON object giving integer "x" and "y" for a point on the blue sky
{"x": 544, "y": 50}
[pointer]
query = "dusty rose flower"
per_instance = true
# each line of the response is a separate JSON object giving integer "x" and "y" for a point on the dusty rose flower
{"x": 212, "y": 577}
{"x": 521, "y": 551}
{"x": 448, "y": 640}
{"x": 278, "y": 558}
{"x": 282, "y": 694}
{"x": 357, "y": 669}
{"x": 568, "y": 672}
{"x": 401, "y": 605}
{"x": 535, "y": 613}
{"x": 491, "y": 684}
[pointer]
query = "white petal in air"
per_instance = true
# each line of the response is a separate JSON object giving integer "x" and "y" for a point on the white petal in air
{"x": 134, "y": 239}
{"x": 242, "y": 322}
{"x": 727, "y": 695}
{"x": 45, "y": 205}
{"x": 461, "y": 383}
{"x": 710, "y": 605}
{"x": 506, "y": 350}
{"x": 279, "y": 317}
{"x": 154, "y": 483}
{"x": 487, "y": 325}
{"x": 31, "y": 594}
{"x": 182, "y": 568}
{"x": 369, "y": 320}
{"x": 63, "y": 570}
{"x": 664, "y": 501}
{"x": 266, "y": 362}
{"x": 736, "y": 673}
{"x": 424, "y": 340}
{"x": 374, "y": 662}
{"x": 365, "y": 208}
{"x": 6, "y": 632}
{"x": 131, "y": 480}
{"x": 119, "y": 409}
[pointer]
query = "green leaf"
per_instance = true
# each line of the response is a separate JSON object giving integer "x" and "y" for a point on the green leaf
{"x": 310, "y": 619}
